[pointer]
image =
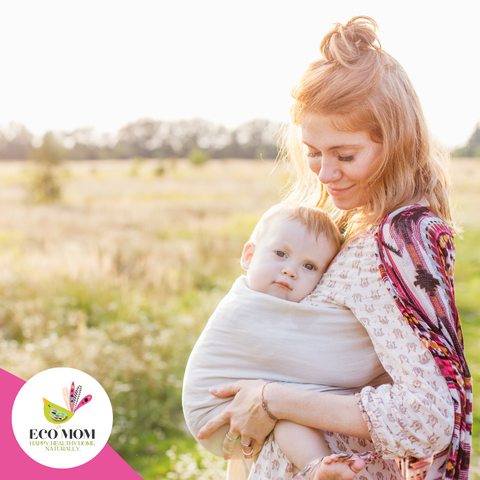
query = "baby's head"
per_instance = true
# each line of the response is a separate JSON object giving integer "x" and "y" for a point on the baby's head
{"x": 289, "y": 250}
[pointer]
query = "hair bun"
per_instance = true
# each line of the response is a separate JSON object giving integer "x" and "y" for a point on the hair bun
{"x": 346, "y": 44}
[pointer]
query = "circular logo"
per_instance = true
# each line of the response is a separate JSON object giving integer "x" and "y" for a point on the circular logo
{"x": 62, "y": 418}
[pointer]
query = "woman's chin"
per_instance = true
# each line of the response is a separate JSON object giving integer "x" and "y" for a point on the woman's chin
{"x": 343, "y": 205}
{"x": 346, "y": 203}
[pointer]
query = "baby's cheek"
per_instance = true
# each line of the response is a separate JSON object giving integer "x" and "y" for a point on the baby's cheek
{"x": 316, "y": 281}
{"x": 311, "y": 283}
{"x": 255, "y": 283}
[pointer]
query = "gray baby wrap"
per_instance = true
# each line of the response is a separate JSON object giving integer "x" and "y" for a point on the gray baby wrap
{"x": 254, "y": 336}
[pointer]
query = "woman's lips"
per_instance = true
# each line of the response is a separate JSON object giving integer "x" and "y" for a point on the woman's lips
{"x": 284, "y": 284}
{"x": 338, "y": 191}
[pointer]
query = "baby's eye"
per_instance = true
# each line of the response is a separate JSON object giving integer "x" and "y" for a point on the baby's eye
{"x": 309, "y": 266}
{"x": 280, "y": 253}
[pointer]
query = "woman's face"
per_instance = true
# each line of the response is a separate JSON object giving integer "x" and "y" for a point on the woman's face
{"x": 342, "y": 160}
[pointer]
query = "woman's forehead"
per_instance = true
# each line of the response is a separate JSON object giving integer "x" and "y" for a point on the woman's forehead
{"x": 317, "y": 128}
{"x": 326, "y": 140}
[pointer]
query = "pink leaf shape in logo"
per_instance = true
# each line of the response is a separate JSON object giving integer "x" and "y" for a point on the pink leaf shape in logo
{"x": 84, "y": 401}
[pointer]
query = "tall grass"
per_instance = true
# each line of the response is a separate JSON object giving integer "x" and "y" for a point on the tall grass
{"x": 119, "y": 279}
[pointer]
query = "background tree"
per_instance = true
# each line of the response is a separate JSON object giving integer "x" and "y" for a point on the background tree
{"x": 197, "y": 156}
{"x": 139, "y": 139}
{"x": 15, "y": 142}
{"x": 472, "y": 148}
{"x": 46, "y": 160}
{"x": 87, "y": 144}
{"x": 254, "y": 139}
{"x": 149, "y": 138}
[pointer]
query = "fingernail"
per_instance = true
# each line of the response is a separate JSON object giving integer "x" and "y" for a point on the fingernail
{"x": 213, "y": 391}
{"x": 200, "y": 437}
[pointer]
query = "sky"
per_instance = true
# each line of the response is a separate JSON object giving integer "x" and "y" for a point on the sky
{"x": 104, "y": 63}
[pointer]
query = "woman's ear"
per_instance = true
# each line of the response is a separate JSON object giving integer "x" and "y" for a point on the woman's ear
{"x": 247, "y": 255}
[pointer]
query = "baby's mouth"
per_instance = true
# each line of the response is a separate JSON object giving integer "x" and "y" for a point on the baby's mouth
{"x": 284, "y": 284}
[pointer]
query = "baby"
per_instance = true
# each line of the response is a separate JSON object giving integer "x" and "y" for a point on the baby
{"x": 250, "y": 334}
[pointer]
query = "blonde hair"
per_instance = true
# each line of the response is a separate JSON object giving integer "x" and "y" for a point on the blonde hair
{"x": 315, "y": 220}
{"x": 360, "y": 87}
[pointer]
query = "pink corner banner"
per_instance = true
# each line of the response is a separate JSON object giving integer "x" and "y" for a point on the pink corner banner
{"x": 15, "y": 464}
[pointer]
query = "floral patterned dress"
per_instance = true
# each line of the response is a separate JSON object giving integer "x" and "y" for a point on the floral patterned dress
{"x": 412, "y": 417}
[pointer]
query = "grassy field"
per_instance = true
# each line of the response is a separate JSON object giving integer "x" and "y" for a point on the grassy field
{"x": 119, "y": 278}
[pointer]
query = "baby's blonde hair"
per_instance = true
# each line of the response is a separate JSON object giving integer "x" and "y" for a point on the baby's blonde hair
{"x": 315, "y": 220}
{"x": 360, "y": 87}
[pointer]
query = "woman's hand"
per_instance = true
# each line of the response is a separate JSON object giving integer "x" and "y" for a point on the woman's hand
{"x": 245, "y": 414}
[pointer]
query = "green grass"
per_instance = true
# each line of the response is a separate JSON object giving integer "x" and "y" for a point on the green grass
{"x": 127, "y": 271}
{"x": 467, "y": 294}
{"x": 467, "y": 275}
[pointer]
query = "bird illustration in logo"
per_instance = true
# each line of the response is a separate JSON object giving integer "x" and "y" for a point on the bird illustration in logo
{"x": 58, "y": 415}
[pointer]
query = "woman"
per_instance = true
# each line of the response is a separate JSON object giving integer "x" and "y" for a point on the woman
{"x": 360, "y": 129}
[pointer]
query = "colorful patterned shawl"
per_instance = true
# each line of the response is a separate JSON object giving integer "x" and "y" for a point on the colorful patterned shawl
{"x": 416, "y": 256}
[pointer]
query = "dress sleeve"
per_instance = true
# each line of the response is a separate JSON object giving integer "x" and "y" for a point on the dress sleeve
{"x": 413, "y": 415}
{"x": 416, "y": 255}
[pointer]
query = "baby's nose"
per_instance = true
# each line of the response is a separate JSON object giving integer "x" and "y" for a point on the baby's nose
{"x": 290, "y": 271}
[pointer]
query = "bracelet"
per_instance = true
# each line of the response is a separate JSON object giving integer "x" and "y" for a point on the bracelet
{"x": 264, "y": 405}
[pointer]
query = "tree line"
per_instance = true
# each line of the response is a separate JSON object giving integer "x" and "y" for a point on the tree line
{"x": 472, "y": 148}
{"x": 149, "y": 138}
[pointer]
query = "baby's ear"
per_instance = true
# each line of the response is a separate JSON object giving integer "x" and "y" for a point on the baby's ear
{"x": 247, "y": 255}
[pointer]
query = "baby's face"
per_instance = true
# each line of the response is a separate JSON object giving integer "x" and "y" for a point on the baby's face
{"x": 287, "y": 262}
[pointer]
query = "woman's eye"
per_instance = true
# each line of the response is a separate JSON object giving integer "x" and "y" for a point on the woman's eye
{"x": 313, "y": 154}
{"x": 280, "y": 254}
{"x": 346, "y": 159}
{"x": 309, "y": 266}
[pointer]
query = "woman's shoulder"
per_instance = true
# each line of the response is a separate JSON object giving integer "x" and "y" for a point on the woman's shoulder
{"x": 411, "y": 216}
{"x": 414, "y": 244}
{"x": 413, "y": 225}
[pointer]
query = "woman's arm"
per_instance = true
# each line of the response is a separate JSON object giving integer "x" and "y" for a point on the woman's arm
{"x": 416, "y": 256}
{"x": 325, "y": 411}
{"x": 338, "y": 413}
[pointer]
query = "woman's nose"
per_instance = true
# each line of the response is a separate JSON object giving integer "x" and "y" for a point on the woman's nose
{"x": 328, "y": 171}
{"x": 315, "y": 164}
